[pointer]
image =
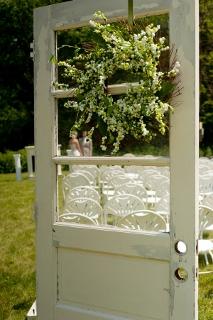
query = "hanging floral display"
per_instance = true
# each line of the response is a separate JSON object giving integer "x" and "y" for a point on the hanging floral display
{"x": 140, "y": 112}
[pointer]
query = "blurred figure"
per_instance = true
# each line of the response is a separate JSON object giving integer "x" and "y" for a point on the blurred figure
{"x": 74, "y": 145}
{"x": 86, "y": 145}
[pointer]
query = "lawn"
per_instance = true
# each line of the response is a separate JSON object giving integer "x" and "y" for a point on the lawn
{"x": 17, "y": 253}
{"x": 17, "y": 249}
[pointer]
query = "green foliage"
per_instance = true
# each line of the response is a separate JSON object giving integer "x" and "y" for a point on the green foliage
{"x": 16, "y": 85}
{"x": 206, "y": 70}
{"x": 206, "y": 152}
{"x": 7, "y": 163}
{"x": 134, "y": 57}
{"x": 16, "y": 76}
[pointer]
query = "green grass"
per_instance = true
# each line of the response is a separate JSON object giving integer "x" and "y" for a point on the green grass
{"x": 17, "y": 250}
{"x": 17, "y": 253}
{"x": 206, "y": 296}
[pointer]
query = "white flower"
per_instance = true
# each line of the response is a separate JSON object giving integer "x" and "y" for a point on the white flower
{"x": 103, "y": 148}
{"x": 101, "y": 80}
{"x": 144, "y": 40}
{"x": 177, "y": 67}
{"x": 92, "y": 23}
{"x": 162, "y": 40}
{"x": 153, "y": 48}
{"x": 177, "y": 64}
{"x": 136, "y": 37}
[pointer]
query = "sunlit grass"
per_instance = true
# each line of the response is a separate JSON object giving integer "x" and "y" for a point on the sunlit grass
{"x": 206, "y": 296}
{"x": 17, "y": 250}
{"x": 17, "y": 253}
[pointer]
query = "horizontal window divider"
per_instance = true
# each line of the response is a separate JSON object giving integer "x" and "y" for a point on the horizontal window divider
{"x": 112, "y": 89}
{"x": 138, "y": 161}
{"x": 66, "y": 93}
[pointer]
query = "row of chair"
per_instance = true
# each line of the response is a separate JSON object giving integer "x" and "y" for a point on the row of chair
{"x": 126, "y": 205}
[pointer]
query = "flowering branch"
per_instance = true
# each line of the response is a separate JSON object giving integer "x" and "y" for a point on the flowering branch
{"x": 141, "y": 112}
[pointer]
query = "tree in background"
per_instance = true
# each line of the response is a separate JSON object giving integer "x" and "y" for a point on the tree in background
{"x": 206, "y": 70}
{"x": 16, "y": 75}
{"x": 16, "y": 71}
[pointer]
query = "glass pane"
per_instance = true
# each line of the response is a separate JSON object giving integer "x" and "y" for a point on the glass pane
{"x": 132, "y": 197}
{"x": 82, "y": 40}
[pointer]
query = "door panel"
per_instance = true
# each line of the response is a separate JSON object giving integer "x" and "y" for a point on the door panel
{"x": 114, "y": 283}
{"x": 86, "y": 272}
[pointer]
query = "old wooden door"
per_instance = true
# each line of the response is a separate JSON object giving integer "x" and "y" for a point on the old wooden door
{"x": 95, "y": 272}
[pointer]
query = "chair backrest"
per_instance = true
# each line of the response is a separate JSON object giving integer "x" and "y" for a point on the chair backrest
{"x": 119, "y": 180}
{"x": 145, "y": 220}
{"x": 85, "y": 206}
{"x": 156, "y": 180}
{"x": 89, "y": 175}
{"x": 132, "y": 188}
{"x": 206, "y": 183}
{"x": 108, "y": 173}
{"x": 163, "y": 189}
{"x": 203, "y": 169}
{"x": 77, "y": 218}
{"x": 123, "y": 204}
{"x": 165, "y": 171}
{"x": 83, "y": 192}
{"x": 93, "y": 169}
{"x": 72, "y": 180}
{"x": 208, "y": 200}
{"x": 205, "y": 164}
{"x": 145, "y": 176}
{"x": 163, "y": 204}
{"x": 205, "y": 219}
{"x": 134, "y": 169}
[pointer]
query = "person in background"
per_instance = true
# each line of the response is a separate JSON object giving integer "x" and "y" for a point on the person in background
{"x": 86, "y": 145}
{"x": 74, "y": 145}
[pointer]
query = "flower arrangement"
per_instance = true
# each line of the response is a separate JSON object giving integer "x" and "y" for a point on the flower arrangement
{"x": 142, "y": 111}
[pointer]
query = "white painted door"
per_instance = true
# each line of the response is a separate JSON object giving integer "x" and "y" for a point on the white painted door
{"x": 95, "y": 272}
